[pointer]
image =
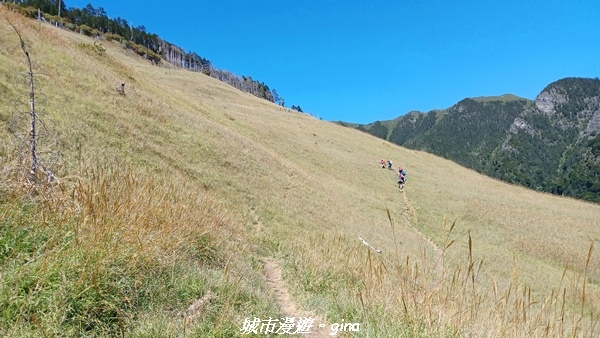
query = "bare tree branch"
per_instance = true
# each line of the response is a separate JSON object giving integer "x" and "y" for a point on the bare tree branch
{"x": 33, "y": 162}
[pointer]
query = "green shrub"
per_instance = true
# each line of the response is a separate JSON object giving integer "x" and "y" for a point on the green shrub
{"x": 145, "y": 52}
{"x": 95, "y": 48}
{"x": 113, "y": 37}
{"x": 86, "y": 30}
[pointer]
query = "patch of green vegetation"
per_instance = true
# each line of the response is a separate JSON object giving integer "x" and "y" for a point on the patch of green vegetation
{"x": 93, "y": 49}
{"x": 55, "y": 286}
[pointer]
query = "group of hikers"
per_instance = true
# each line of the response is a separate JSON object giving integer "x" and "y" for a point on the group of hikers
{"x": 401, "y": 172}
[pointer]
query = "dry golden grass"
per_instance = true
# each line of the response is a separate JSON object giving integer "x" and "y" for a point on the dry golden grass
{"x": 304, "y": 190}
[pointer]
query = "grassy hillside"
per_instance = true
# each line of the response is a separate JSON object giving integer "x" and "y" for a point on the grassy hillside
{"x": 179, "y": 192}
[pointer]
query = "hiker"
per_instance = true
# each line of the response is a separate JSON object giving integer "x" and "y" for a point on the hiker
{"x": 121, "y": 89}
{"x": 382, "y": 164}
{"x": 401, "y": 181}
{"x": 390, "y": 164}
{"x": 401, "y": 172}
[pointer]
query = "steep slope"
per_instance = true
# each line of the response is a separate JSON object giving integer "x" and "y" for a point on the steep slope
{"x": 289, "y": 188}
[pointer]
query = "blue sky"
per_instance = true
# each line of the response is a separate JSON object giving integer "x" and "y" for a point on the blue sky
{"x": 362, "y": 61}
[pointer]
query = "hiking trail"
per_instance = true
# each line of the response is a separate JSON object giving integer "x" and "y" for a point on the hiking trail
{"x": 275, "y": 282}
{"x": 410, "y": 212}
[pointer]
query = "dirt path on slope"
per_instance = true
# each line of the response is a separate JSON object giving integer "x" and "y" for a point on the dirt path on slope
{"x": 410, "y": 212}
{"x": 275, "y": 282}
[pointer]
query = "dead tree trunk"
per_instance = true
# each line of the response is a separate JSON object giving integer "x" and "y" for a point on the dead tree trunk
{"x": 32, "y": 116}
{"x": 33, "y": 164}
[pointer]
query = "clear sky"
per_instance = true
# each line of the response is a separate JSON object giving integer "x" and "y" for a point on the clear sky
{"x": 362, "y": 61}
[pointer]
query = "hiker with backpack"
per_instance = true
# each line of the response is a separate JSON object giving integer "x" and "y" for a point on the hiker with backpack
{"x": 121, "y": 89}
{"x": 401, "y": 171}
{"x": 401, "y": 177}
{"x": 401, "y": 181}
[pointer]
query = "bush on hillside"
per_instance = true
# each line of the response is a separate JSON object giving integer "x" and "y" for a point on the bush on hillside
{"x": 28, "y": 11}
{"x": 95, "y": 48}
{"x": 113, "y": 37}
{"x": 145, "y": 52}
{"x": 85, "y": 30}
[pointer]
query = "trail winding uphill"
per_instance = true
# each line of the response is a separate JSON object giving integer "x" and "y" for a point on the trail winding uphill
{"x": 275, "y": 282}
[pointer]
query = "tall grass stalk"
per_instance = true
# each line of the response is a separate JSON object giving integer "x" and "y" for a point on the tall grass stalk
{"x": 430, "y": 305}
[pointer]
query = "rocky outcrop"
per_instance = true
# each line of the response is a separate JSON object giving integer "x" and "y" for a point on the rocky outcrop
{"x": 547, "y": 101}
{"x": 594, "y": 123}
{"x": 520, "y": 124}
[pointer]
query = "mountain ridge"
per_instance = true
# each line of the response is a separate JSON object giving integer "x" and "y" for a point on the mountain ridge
{"x": 546, "y": 144}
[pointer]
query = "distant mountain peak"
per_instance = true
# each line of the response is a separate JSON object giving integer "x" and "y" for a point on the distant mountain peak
{"x": 501, "y": 98}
